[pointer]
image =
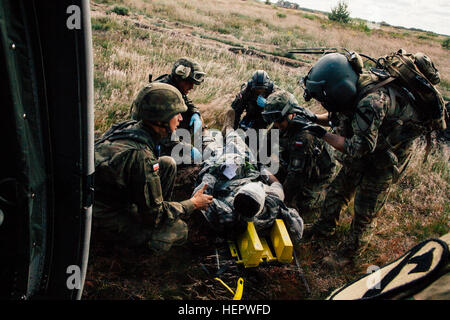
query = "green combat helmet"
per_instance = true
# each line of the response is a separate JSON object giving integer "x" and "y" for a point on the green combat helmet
{"x": 187, "y": 69}
{"x": 159, "y": 102}
{"x": 281, "y": 104}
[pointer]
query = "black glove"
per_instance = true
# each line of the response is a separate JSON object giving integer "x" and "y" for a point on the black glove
{"x": 309, "y": 115}
{"x": 306, "y": 113}
{"x": 315, "y": 130}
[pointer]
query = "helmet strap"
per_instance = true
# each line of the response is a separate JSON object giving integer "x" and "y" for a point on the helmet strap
{"x": 163, "y": 125}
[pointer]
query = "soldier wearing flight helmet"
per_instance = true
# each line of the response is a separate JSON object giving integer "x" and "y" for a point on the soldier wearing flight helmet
{"x": 373, "y": 132}
{"x": 251, "y": 100}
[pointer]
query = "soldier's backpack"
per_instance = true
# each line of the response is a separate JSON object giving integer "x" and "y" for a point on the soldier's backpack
{"x": 417, "y": 76}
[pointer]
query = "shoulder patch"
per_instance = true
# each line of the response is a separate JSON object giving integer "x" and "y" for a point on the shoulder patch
{"x": 370, "y": 109}
{"x": 364, "y": 119}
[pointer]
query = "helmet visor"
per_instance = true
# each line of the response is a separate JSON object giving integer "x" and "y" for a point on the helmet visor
{"x": 198, "y": 76}
{"x": 272, "y": 116}
{"x": 316, "y": 90}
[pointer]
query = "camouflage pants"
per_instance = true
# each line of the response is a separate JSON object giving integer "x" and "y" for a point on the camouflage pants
{"x": 309, "y": 199}
{"x": 306, "y": 197}
{"x": 122, "y": 225}
{"x": 370, "y": 190}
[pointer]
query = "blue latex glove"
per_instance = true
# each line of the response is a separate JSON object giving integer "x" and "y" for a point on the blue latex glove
{"x": 261, "y": 101}
{"x": 196, "y": 155}
{"x": 196, "y": 121}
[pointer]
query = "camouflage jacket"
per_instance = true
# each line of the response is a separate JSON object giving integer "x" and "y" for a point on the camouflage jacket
{"x": 167, "y": 78}
{"x": 380, "y": 131}
{"x": 127, "y": 176}
{"x": 246, "y": 101}
{"x": 304, "y": 158}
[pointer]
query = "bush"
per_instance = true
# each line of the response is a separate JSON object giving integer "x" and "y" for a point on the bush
{"x": 281, "y": 15}
{"x": 446, "y": 44}
{"x": 121, "y": 11}
{"x": 362, "y": 26}
{"x": 340, "y": 13}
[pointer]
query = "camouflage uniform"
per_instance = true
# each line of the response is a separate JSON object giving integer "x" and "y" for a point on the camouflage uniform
{"x": 246, "y": 101}
{"x": 307, "y": 166}
{"x": 133, "y": 191}
{"x": 378, "y": 140}
{"x": 167, "y": 144}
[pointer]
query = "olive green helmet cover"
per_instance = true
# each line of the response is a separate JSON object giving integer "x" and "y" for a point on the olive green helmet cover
{"x": 159, "y": 102}
{"x": 278, "y": 105}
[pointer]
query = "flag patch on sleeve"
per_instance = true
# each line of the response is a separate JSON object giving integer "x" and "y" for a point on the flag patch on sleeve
{"x": 155, "y": 167}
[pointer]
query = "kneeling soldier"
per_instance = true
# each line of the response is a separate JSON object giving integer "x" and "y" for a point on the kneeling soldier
{"x": 134, "y": 185}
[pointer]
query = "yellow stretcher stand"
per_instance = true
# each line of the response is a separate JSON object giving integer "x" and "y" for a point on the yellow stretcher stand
{"x": 281, "y": 242}
{"x": 250, "y": 246}
{"x": 250, "y": 250}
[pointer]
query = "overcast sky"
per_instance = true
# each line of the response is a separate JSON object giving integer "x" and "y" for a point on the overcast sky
{"x": 429, "y": 15}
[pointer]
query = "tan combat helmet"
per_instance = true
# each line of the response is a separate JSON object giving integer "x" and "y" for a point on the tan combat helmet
{"x": 188, "y": 69}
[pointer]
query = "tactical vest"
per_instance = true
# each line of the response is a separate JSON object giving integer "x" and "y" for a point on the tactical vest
{"x": 125, "y": 130}
{"x": 322, "y": 159}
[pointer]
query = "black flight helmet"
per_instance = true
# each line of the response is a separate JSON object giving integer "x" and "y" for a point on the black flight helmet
{"x": 333, "y": 82}
{"x": 261, "y": 82}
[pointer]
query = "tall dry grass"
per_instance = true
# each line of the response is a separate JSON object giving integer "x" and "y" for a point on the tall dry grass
{"x": 182, "y": 24}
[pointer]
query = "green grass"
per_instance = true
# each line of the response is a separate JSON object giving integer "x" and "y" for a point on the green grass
{"x": 120, "y": 10}
{"x": 309, "y": 16}
{"x": 434, "y": 229}
{"x": 446, "y": 44}
{"x": 104, "y": 24}
{"x": 362, "y": 26}
{"x": 228, "y": 42}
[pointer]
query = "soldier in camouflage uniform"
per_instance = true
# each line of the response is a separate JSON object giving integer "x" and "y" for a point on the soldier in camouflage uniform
{"x": 185, "y": 74}
{"x": 373, "y": 132}
{"x": 134, "y": 185}
{"x": 306, "y": 164}
{"x": 251, "y": 101}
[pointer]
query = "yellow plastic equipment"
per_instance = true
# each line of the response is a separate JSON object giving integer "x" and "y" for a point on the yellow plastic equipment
{"x": 250, "y": 246}
{"x": 281, "y": 242}
{"x": 239, "y": 288}
{"x": 251, "y": 250}
{"x": 267, "y": 254}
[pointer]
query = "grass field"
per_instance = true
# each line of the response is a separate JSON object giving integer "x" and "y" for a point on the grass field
{"x": 133, "y": 38}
